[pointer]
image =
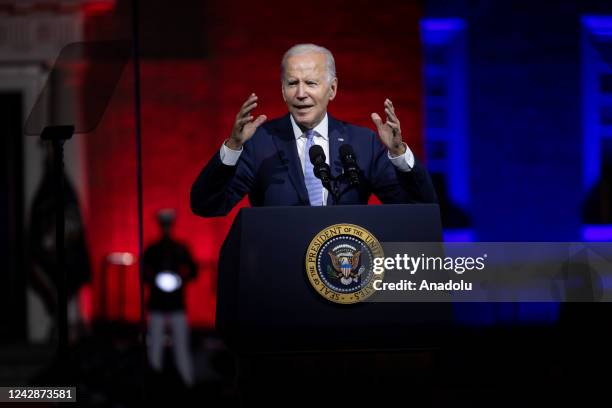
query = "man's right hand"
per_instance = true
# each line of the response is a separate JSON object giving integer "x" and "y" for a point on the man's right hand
{"x": 245, "y": 126}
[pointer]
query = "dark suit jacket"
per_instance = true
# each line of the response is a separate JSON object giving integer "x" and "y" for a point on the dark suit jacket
{"x": 270, "y": 172}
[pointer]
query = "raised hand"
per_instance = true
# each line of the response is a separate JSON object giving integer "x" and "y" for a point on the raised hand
{"x": 390, "y": 132}
{"x": 245, "y": 126}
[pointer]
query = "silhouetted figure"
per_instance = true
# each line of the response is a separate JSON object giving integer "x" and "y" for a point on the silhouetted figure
{"x": 42, "y": 247}
{"x": 168, "y": 267}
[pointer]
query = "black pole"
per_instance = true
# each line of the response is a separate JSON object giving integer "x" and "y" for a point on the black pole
{"x": 62, "y": 292}
{"x": 137, "y": 119}
{"x": 57, "y": 135}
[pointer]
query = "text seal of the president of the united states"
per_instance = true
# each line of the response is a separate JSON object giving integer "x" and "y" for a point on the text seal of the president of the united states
{"x": 340, "y": 261}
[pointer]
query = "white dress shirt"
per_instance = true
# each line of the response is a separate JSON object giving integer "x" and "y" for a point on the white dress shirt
{"x": 230, "y": 157}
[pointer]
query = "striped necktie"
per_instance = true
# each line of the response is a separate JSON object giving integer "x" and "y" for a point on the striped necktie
{"x": 313, "y": 184}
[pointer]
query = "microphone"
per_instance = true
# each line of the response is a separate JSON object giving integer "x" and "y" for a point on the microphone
{"x": 321, "y": 169}
{"x": 349, "y": 163}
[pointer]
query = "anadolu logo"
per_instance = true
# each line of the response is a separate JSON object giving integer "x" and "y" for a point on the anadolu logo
{"x": 340, "y": 263}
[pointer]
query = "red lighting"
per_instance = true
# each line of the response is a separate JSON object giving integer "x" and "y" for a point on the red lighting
{"x": 96, "y": 8}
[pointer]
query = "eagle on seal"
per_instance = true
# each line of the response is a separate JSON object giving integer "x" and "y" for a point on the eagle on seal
{"x": 346, "y": 266}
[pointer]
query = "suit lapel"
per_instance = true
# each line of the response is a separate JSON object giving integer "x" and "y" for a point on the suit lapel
{"x": 337, "y": 137}
{"x": 287, "y": 150}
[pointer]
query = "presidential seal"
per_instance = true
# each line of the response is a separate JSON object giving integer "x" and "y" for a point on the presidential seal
{"x": 339, "y": 263}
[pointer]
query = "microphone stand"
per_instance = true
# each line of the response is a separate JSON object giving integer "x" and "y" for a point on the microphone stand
{"x": 322, "y": 171}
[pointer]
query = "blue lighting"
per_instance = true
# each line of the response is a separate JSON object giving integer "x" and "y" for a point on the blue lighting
{"x": 592, "y": 67}
{"x": 446, "y": 145}
{"x": 597, "y": 233}
{"x": 439, "y": 31}
{"x": 598, "y": 25}
{"x": 458, "y": 235}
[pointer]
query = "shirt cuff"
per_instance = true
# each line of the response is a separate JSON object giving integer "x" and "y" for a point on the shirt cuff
{"x": 405, "y": 162}
{"x": 229, "y": 157}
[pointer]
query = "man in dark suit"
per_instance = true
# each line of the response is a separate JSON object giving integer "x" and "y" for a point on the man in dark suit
{"x": 270, "y": 161}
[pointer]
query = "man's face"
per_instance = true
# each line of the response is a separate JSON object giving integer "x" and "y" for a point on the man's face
{"x": 306, "y": 88}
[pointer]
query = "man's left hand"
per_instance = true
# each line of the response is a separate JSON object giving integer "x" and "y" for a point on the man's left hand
{"x": 390, "y": 132}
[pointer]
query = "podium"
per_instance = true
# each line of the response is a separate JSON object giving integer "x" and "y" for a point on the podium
{"x": 285, "y": 335}
{"x": 266, "y": 304}
{"x": 283, "y": 331}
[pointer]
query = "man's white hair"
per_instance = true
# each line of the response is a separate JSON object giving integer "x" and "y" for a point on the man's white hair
{"x": 300, "y": 49}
